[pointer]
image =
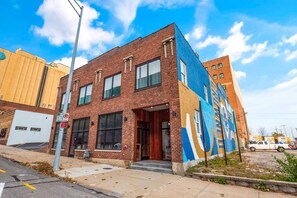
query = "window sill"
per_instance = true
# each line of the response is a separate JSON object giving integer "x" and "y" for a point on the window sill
{"x": 103, "y": 99}
{"x": 79, "y": 150}
{"x": 186, "y": 86}
{"x": 145, "y": 88}
{"x": 109, "y": 151}
{"x": 53, "y": 149}
{"x": 80, "y": 105}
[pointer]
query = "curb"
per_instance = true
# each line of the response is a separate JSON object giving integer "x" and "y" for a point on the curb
{"x": 267, "y": 185}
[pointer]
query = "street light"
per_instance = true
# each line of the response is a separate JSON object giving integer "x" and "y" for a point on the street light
{"x": 60, "y": 135}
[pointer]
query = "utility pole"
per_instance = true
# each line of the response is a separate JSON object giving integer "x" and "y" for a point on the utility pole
{"x": 284, "y": 129}
{"x": 65, "y": 107}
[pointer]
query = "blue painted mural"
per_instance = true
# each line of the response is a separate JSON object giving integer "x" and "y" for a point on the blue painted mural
{"x": 195, "y": 118}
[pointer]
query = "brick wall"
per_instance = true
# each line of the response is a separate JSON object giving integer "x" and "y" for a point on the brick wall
{"x": 143, "y": 50}
{"x": 230, "y": 90}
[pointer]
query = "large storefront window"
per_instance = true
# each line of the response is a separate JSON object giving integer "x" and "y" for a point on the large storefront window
{"x": 109, "y": 136}
{"x": 55, "y": 141}
{"x": 80, "y": 133}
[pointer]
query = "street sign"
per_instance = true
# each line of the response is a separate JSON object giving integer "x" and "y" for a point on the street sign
{"x": 2, "y": 56}
{"x": 66, "y": 117}
{"x": 64, "y": 125}
{"x": 59, "y": 117}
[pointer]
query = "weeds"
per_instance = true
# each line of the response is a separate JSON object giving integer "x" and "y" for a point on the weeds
{"x": 261, "y": 186}
{"x": 288, "y": 166}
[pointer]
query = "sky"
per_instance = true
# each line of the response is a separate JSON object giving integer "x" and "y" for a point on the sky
{"x": 259, "y": 36}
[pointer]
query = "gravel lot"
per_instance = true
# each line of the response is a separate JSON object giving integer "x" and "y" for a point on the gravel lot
{"x": 265, "y": 159}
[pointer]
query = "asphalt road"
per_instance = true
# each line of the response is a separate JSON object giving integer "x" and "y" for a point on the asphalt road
{"x": 23, "y": 182}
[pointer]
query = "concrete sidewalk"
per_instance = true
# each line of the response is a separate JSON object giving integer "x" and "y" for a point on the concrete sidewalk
{"x": 119, "y": 182}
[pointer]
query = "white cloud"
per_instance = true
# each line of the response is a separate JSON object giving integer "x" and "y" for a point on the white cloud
{"x": 60, "y": 25}
{"x": 293, "y": 72}
{"x": 291, "y": 40}
{"x": 236, "y": 45}
{"x": 272, "y": 107}
{"x": 79, "y": 61}
{"x": 290, "y": 55}
{"x": 259, "y": 49}
{"x": 125, "y": 10}
{"x": 240, "y": 74}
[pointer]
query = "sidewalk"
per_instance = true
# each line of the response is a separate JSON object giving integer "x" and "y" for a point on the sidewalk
{"x": 121, "y": 182}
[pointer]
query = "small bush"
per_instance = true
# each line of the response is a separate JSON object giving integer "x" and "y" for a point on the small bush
{"x": 222, "y": 180}
{"x": 261, "y": 186}
{"x": 288, "y": 166}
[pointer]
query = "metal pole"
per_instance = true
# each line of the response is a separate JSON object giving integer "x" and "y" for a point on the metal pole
{"x": 203, "y": 134}
{"x": 65, "y": 107}
{"x": 223, "y": 136}
{"x": 237, "y": 137}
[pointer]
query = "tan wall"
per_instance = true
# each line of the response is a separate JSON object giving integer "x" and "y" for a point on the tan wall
{"x": 21, "y": 76}
{"x": 50, "y": 91}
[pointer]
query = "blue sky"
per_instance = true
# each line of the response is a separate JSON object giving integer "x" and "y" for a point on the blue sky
{"x": 260, "y": 37}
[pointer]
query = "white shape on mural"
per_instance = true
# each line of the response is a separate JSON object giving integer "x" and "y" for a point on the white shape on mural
{"x": 189, "y": 132}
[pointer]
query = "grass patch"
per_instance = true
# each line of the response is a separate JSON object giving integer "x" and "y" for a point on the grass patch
{"x": 236, "y": 168}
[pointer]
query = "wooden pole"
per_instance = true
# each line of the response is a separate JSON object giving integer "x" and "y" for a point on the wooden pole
{"x": 223, "y": 136}
{"x": 237, "y": 137}
{"x": 203, "y": 134}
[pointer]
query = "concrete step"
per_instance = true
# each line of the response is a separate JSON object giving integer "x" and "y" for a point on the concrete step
{"x": 152, "y": 164}
{"x": 152, "y": 168}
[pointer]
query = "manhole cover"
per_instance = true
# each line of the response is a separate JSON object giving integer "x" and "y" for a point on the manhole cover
{"x": 106, "y": 168}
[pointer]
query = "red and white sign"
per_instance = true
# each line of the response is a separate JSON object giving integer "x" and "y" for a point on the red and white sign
{"x": 66, "y": 117}
{"x": 64, "y": 125}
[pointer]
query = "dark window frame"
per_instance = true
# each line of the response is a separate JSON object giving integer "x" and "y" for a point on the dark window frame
{"x": 112, "y": 76}
{"x": 109, "y": 130}
{"x": 83, "y": 131}
{"x": 56, "y": 134}
{"x": 147, "y": 64}
{"x": 61, "y": 108}
{"x": 215, "y": 76}
{"x": 222, "y": 75}
{"x": 85, "y": 95}
{"x": 3, "y": 132}
{"x": 220, "y": 66}
{"x": 213, "y": 67}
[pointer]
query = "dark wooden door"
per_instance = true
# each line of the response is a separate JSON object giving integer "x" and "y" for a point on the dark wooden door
{"x": 143, "y": 140}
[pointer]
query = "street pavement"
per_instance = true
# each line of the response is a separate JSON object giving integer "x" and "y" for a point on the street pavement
{"x": 18, "y": 181}
{"x": 121, "y": 182}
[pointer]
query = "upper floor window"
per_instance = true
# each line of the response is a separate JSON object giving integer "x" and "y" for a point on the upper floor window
{"x": 112, "y": 86}
{"x": 220, "y": 65}
{"x": 148, "y": 74}
{"x": 63, "y": 101}
{"x": 85, "y": 94}
{"x": 183, "y": 68}
{"x": 206, "y": 93}
{"x": 221, "y": 75}
{"x": 215, "y": 77}
{"x": 224, "y": 86}
{"x": 213, "y": 67}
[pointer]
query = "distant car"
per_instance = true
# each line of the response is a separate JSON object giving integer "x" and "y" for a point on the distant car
{"x": 264, "y": 145}
{"x": 293, "y": 145}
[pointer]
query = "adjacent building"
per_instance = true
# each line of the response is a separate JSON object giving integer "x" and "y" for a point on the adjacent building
{"x": 221, "y": 71}
{"x": 150, "y": 99}
{"x": 29, "y": 80}
{"x": 20, "y": 124}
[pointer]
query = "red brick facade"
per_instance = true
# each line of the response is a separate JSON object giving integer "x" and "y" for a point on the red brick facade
{"x": 230, "y": 86}
{"x": 142, "y": 50}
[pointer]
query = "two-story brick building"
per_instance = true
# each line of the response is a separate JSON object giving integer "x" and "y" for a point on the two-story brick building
{"x": 149, "y": 99}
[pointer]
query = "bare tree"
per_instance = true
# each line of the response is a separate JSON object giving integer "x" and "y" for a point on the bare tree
{"x": 262, "y": 131}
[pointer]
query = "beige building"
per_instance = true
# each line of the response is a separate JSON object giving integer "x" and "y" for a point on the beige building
{"x": 28, "y": 79}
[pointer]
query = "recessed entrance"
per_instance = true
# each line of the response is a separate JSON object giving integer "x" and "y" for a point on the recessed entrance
{"x": 152, "y": 134}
